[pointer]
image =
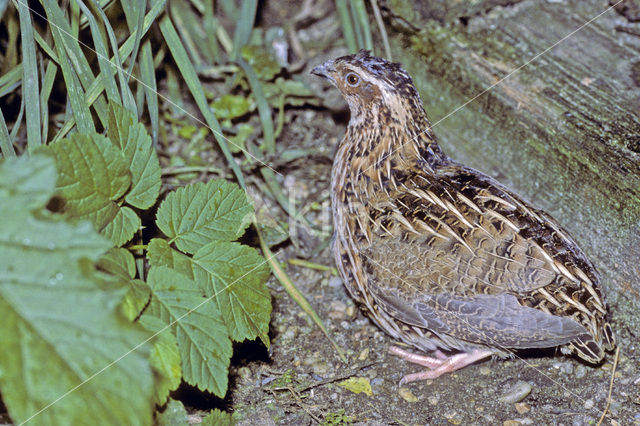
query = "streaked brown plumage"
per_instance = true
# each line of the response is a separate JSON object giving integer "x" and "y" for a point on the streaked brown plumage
{"x": 440, "y": 255}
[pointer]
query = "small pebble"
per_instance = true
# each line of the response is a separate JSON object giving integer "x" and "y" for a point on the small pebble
{"x": 320, "y": 368}
{"x": 364, "y": 354}
{"x": 516, "y": 393}
{"x": 581, "y": 371}
{"x": 433, "y": 399}
{"x": 511, "y": 423}
{"x": 351, "y": 310}
{"x": 589, "y": 404}
{"x": 453, "y": 417}
{"x": 485, "y": 371}
{"x": 522, "y": 407}
{"x": 267, "y": 380}
{"x": 566, "y": 368}
{"x": 290, "y": 334}
{"x": 337, "y": 310}
{"x": 335, "y": 282}
{"x": 244, "y": 372}
{"x": 407, "y": 395}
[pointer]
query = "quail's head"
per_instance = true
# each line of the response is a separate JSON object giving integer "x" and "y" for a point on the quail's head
{"x": 368, "y": 83}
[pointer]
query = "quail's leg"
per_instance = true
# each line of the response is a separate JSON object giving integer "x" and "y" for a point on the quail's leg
{"x": 439, "y": 365}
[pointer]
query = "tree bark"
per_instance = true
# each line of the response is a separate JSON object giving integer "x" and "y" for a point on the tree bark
{"x": 553, "y": 113}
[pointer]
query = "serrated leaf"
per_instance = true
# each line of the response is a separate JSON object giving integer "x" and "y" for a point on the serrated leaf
{"x": 122, "y": 227}
{"x": 205, "y": 348}
{"x": 217, "y": 418}
{"x": 35, "y": 176}
{"x": 136, "y": 300}
{"x": 236, "y": 275}
{"x": 164, "y": 358}
{"x": 173, "y": 415}
{"x": 160, "y": 253}
{"x": 195, "y": 214}
{"x": 60, "y": 323}
{"x": 119, "y": 262}
{"x": 92, "y": 174}
{"x": 132, "y": 138}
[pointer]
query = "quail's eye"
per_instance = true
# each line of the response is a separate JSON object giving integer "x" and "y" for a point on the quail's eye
{"x": 352, "y": 79}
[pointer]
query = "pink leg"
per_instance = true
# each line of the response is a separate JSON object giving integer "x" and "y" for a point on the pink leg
{"x": 439, "y": 365}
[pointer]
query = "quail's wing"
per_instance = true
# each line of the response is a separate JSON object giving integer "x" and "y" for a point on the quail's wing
{"x": 461, "y": 255}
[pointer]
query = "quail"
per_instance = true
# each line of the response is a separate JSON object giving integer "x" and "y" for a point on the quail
{"x": 442, "y": 256}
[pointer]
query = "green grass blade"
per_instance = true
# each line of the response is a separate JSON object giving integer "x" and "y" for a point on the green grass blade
{"x": 183, "y": 19}
{"x": 18, "y": 123}
{"x": 210, "y": 24}
{"x": 30, "y": 90}
{"x": 123, "y": 76}
{"x": 295, "y": 294}
{"x": 69, "y": 53}
{"x": 93, "y": 93}
{"x": 244, "y": 26}
{"x": 191, "y": 79}
{"x": 134, "y": 9}
{"x": 383, "y": 31}
{"x": 148, "y": 78}
{"x": 347, "y": 28}
{"x": 45, "y": 46}
{"x": 6, "y": 147}
{"x": 362, "y": 18}
{"x": 11, "y": 80}
{"x": 103, "y": 56}
{"x": 47, "y": 85}
{"x": 356, "y": 24}
{"x": 264, "y": 110}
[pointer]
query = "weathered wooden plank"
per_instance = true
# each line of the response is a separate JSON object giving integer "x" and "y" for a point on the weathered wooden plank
{"x": 563, "y": 131}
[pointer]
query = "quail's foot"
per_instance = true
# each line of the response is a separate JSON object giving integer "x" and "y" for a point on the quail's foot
{"x": 440, "y": 364}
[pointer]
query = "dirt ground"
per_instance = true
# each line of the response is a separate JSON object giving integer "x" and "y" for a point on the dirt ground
{"x": 296, "y": 382}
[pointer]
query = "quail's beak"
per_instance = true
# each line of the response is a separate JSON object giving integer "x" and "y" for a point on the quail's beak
{"x": 325, "y": 70}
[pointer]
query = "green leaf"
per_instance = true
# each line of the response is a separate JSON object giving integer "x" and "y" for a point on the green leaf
{"x": 205, "y": 348}
{"x": 160, "y": 253}
{"x": 236, "y": 274}
{"x": 35, "y": 177}
{"x": 119, "y": 262}
{"x": 122, "y": 227}
{"x": 173, "y": 415}
{"x": 357, "y": 385}
{"x": 231, "y": 106}
{"x": 132, "y": 138}
{"x": 137, "y": 299}
{"x": 92, "y": 176}
{"x": 262, "y": 61}
{"x": 217, "y": 418}
{"x": 61, "y": 324}
{"x": 164, "y": 358}
{"x": 244, "y": 130}
{"x": 296, "y": 92}
{"x": 194, "y": 215}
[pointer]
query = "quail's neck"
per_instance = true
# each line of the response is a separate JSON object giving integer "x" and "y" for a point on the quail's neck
{"x": 382, "y": 139}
